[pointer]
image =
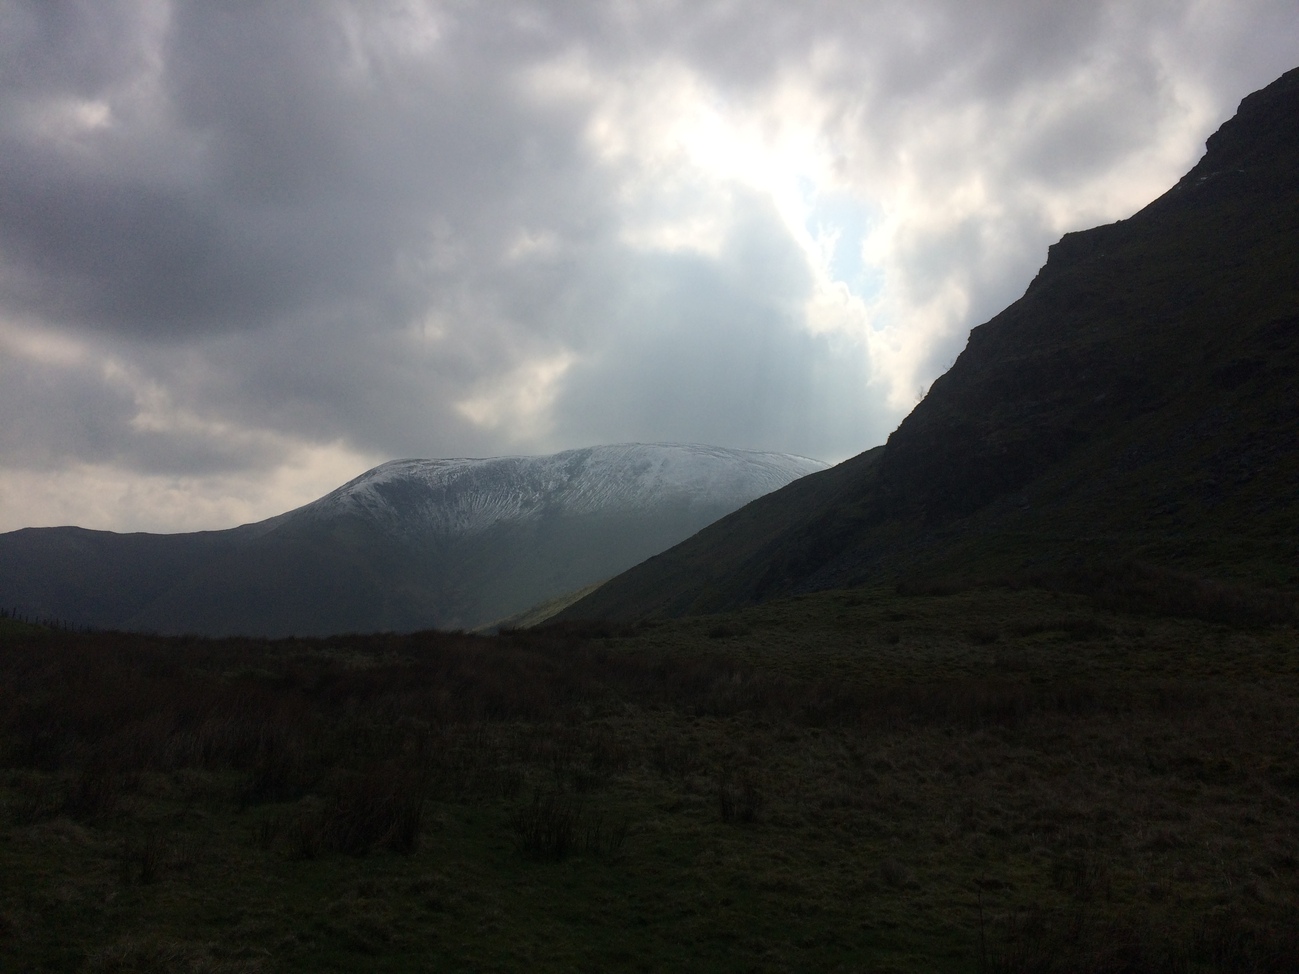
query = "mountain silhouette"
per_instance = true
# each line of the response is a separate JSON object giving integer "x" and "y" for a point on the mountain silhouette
{"x": 1139, "y": 404}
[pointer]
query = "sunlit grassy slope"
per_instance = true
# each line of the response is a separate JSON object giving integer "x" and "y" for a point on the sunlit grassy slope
{"x": 973, "y": 780}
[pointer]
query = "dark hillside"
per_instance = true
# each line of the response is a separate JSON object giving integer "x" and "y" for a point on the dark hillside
{"x": 1138, "y": 402}
{"x": 408, "y": 545}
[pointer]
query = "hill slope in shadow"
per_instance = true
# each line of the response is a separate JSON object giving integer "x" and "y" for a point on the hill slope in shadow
{"x": 1138, "y": 402}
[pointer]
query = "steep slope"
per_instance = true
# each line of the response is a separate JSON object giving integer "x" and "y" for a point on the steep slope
{"x": 410, "y": 544}
{"x": 1138, "y": 401}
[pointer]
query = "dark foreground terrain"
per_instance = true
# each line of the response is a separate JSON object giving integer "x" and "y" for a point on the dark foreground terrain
{"x": 1097, "y": 773}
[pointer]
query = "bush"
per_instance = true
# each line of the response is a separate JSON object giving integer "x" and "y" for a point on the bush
{"x": 740, "y": 803}
{"x": 383, "y": 807}
{"x": 554, "y": 826}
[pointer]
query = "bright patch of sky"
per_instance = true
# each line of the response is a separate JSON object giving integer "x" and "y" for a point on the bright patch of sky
{"x": 840, "y": 224}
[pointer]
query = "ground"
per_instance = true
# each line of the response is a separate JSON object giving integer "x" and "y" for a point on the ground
{"x": 979, "y": 778}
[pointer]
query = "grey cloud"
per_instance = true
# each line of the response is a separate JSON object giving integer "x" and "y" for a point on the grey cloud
{"x": 51, "y": 415}
{"x": 55, "y": 412}
{"x": 304, "y": 193}
{"x": 713, "y": 350}
{"x": 299, "y": 225}
{"x": 68, "y": 47}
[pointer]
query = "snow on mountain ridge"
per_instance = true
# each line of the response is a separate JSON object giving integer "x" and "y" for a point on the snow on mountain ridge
{"x": 461, "y": 496}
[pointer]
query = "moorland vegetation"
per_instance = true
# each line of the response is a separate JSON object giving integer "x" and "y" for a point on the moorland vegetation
{"x": 998, "y": 775}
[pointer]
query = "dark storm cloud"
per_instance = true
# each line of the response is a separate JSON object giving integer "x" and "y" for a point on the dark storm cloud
{"x": 279, "y": 178}
{"x": 232, "y": 233}
{"x": 68, "y": 47}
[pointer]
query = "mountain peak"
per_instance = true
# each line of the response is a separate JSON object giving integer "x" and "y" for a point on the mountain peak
{"x": 467, "y": 495}
{"x": 1264, "y": 131}
{"x": 410, "y": 544}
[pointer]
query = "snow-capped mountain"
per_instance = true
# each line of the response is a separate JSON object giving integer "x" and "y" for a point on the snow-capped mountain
{"x": 411, "y": 544}
{"x": 466, "y": 496}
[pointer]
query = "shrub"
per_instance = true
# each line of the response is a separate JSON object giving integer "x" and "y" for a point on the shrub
{"x": 554, "y": 826}
{"x": 382, "y": 807}
{"x": 740, "y": 803}
{"x": 94, "y": 792}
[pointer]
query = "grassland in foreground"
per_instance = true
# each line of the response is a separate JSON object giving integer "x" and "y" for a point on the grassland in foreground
{"x": 985, "y": 779}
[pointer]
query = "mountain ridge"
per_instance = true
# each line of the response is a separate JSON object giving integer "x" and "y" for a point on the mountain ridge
{"x": 409, "y": 544}
{"x": 1051, "y": 439}
{"x": 589, "y": 480}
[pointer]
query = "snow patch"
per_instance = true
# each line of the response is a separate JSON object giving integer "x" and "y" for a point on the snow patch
{"x": 465, "y": 496}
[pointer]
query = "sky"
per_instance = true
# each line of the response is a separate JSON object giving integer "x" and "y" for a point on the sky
{"x": 249, "y": 250}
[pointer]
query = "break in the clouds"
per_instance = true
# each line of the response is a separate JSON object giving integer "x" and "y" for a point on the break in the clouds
{"x": 247, "y": 250}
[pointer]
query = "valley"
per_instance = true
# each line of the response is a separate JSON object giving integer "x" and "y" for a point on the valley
{"x": 1015, "y": 691}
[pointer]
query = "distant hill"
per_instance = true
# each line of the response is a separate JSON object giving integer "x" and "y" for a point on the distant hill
{"x": 1140, "y": 401}
{"x": 408, "y": 545}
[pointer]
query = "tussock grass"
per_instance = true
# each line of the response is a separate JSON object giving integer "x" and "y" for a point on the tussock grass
{"x": 555, "y": 825}
{"x": 1004, "y": 778}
